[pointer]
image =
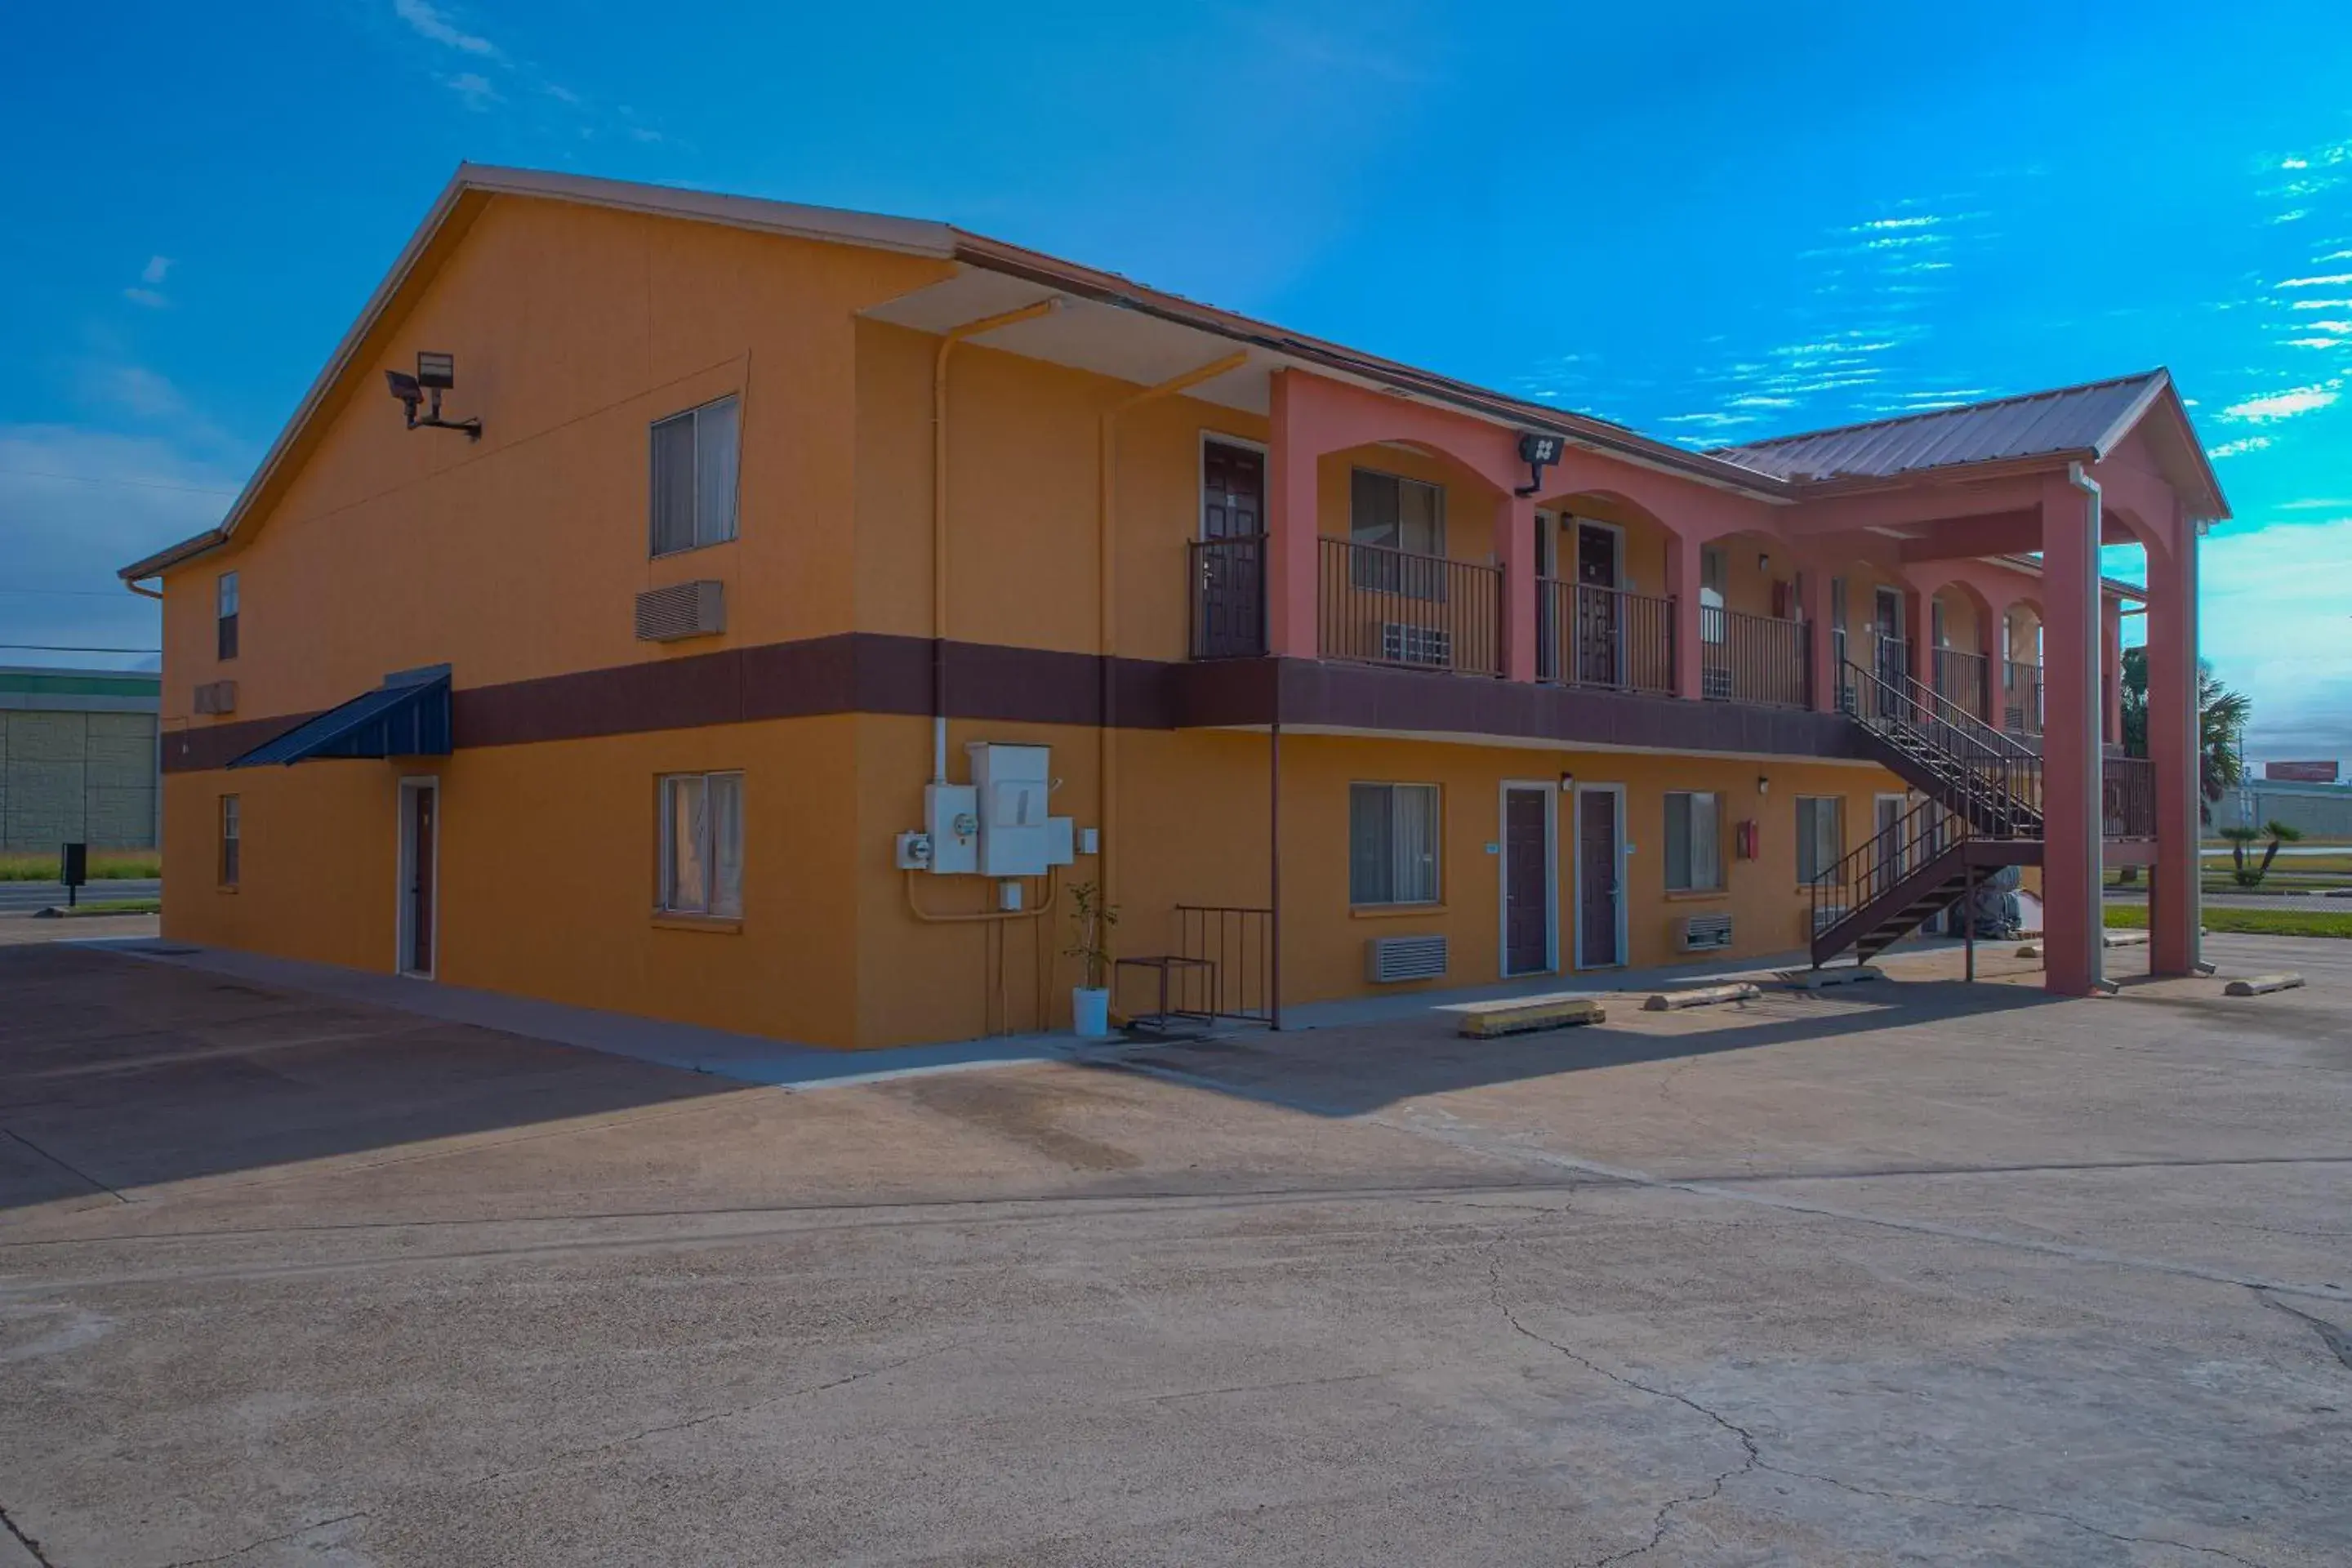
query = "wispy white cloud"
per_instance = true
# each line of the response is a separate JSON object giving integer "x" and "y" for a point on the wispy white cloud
{"x": 2240, "y": 447}
{"x": 474, "y": 89}
{"x": 429, "y": 21}
{"x": 2283, "y": 405}
{"x": 160, "y": 267}
{"x": 154, "y": 300}
{"x": 2320, "y": 282}
{"x": 148, "y": 291}
{"x": 2315, "y": 343}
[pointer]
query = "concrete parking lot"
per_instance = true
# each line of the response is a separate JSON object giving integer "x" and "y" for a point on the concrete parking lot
{"x": 1906, "y": 1273}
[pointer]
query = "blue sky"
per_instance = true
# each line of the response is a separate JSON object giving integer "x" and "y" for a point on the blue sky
{"x": 1711, "y": 222}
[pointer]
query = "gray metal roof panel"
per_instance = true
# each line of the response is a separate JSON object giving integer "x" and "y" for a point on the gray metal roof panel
{"x": 2071, "y": 419}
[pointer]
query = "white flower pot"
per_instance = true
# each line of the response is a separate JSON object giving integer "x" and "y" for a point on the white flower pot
{"x": 1090, "y": 1012}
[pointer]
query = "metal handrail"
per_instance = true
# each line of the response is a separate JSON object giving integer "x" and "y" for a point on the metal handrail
{"x": 1997, "y": 782}
{"x": 1915, "y": 693}
{"x": 1863, "y": 874}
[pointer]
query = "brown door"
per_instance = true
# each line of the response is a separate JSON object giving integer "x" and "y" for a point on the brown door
{"x": 423, "y": 825}
{"x": 1229, "y": 561}
{"x": 1600, "y": 640}
{"x": 1596, "y": 858}
{"x": 1527, "y": 882}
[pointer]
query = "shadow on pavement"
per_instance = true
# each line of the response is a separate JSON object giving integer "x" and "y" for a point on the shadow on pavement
{"x": 117, "y": 1073}
{"x": 1356, "y": 1069}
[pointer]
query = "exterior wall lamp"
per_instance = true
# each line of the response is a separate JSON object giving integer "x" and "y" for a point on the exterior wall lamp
{"x": 435, "y": 373}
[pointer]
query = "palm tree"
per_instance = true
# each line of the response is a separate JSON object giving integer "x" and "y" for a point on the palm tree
{"x": 2221, "y": 716}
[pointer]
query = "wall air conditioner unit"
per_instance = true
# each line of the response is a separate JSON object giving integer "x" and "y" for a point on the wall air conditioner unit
{"x": 1704, "y": 933}
{"x": 1403, "y": 643}
{"x": 1826, "y": 917}
{"x": 696, "y": 609}
{"x": 1389, "y": 960}
{"x": 217, "y": 696}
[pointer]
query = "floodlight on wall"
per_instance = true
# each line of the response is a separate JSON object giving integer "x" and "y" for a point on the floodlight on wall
{"x": 435, "y": 373}
{"x": 1538, "y": 451}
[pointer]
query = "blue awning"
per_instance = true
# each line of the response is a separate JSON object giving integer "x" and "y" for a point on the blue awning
{"x": 407, "y": 716}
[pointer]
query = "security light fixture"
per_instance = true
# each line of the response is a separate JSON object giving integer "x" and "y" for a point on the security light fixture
{"x": 1763, "y": 785}
{"x": 1538, "y": 451}
{"x": 435, "y": 373}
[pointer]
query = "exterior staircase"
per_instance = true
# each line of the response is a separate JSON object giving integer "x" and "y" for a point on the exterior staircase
{"x": 1982, "y": 808}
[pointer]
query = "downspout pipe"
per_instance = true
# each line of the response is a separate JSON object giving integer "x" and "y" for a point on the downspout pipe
{"x": 2094, "y": 738}
{"x": 1107, "y": 598}
{"x": 947, "y": 341}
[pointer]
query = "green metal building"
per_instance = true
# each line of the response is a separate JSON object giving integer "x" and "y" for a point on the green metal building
{"x": 77, "y": 758}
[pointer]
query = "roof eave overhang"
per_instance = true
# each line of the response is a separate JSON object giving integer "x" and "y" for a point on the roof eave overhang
{"x": 1387, "y": 375}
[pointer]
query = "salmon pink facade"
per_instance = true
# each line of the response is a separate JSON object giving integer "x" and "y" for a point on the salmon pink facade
{"x": 824, "y": 598}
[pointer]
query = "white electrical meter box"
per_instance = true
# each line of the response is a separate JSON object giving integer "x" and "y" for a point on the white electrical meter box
{"x": 951, "y": 821}
{"x": 1014, "y": 785}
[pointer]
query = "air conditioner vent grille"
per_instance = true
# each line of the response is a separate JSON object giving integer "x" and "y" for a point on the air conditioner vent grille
{"x": 696, "y": 609}
{"x": 1390, "y": 960}
{"x": 1705, "y": 933}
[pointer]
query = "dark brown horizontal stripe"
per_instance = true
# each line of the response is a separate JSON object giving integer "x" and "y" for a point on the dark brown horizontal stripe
{"x": 871, "y": 672}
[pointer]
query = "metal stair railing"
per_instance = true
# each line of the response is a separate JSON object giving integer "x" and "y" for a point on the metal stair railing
{"x": 1877, "y": 867}
{"x": 1990, "y": 778}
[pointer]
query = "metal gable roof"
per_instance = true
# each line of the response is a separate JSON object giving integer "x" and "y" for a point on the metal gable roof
{"x": 2083, "y": 419}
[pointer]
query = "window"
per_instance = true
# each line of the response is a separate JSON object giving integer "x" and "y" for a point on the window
{"x": 694, "y": 466}
{"x": 1396, "y": 514}
{"x": 229, "y": 841}
{"x": 702, "y": 844}
{"x": 225, "y": 627}
{"x": 1820, "y": 835}
{"x": 1391, "y": 844}
{"x": 1693, "y": 849}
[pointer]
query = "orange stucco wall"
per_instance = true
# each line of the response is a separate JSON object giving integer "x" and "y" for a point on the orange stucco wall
{"x": 517, "y": 557}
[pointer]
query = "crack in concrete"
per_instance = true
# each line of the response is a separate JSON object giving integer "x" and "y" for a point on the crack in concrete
{"x": 76, "y": 1173}
{"x": 30, "y": 1543}
{"x": 268, "y": 1540}
{"x": 1664, "y": 1517}
{"x": 1663, "y": 1520}
{"x": 2337, "y": 1341}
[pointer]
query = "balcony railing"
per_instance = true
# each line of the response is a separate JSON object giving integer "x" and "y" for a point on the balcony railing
{"x": 1604, "y": 638}
{"x": 1379, "y": 606}
{"x": 1754, "y": 658}
{"x": 1229, "y": 596}
{"x": 2021, "y": 701}
{"x": 1960, "y": 679}
{"x": 2127, "y": 797}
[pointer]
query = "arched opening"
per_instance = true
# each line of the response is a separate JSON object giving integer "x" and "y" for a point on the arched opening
{"x": 1959, "y": 626}
{"x": 1753, "y": 640}
{"x": 2021, "y": 668}
{"x": 1409, "y": 567}
{"x": 1605, "y": 617}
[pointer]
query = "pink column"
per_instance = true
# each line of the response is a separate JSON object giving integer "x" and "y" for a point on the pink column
{"x": 1813, "y": 598}
{"x": 1917, "y": 642}
{"x": 2111, "y": 668}
{"x": 2073, "y": 841}
{"x": 1515, "y": 549}
{"x": 1682, "y": 568}
{"x": 2172, "y": 749}
{"x": 1291, "y": 526}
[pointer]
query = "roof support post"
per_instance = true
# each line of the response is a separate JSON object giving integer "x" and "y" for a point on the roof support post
{"x": 1515, "y": 549}
{"x": 2073, "y": 918}
{"x": 1820, "y": 647}
{"x": 2173, "y": 749}
{"x": 1291, "y": 526}
{"x": 1683, "y": 580}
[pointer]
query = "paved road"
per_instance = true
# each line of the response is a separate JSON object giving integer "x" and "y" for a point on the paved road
{"x": 23, "y": 898}
{"x": 2137, "y": 893}
{"x": 1909, "y": 1273}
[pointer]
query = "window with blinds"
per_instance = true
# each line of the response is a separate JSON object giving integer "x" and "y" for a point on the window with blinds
{"x": 1392, "y": 844}
{"x": 1820, "y": 835}
{"x": 1693, "y": 846}
{"x": 695, "y": 461}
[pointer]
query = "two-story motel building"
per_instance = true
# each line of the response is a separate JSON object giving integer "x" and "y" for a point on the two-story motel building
{"x": 659, "y": 690}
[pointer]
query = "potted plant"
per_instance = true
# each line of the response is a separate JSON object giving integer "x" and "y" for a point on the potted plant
{"x": 1091, "y": 945}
